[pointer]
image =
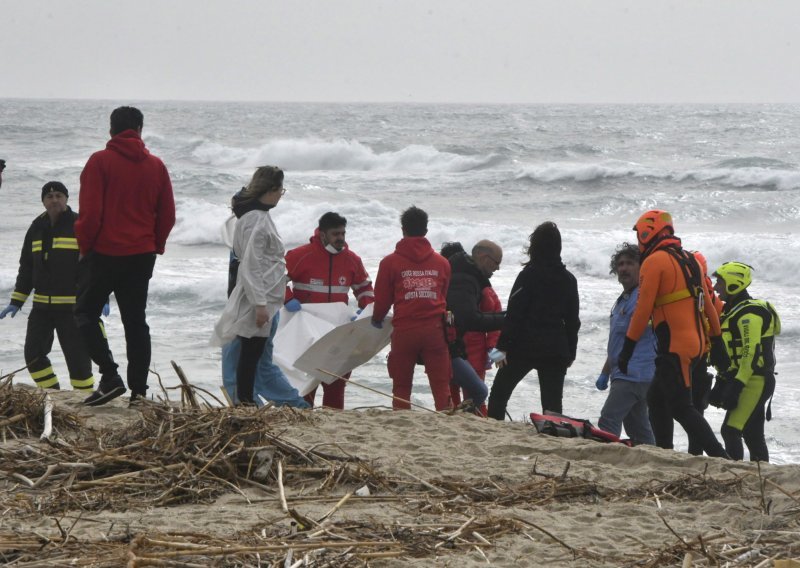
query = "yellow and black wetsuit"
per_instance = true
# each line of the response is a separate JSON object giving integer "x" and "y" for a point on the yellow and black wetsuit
{"x": 749, "y": 328}
{"x": 48, "y": 267}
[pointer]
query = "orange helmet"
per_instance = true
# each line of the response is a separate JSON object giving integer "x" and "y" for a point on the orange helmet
{"x": 650, "y": 225}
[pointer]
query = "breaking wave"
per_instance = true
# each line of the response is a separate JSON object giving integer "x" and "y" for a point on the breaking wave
{"x": 738, "y": 173}
{"x": 339, "y": 155}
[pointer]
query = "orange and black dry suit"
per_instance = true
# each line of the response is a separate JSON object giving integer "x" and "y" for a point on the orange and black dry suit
{"x": 701, "y": 378}
{"x": 673, "y": 292}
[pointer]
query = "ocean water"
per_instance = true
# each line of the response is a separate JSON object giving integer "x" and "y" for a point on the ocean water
{"x": 730, "y": 175}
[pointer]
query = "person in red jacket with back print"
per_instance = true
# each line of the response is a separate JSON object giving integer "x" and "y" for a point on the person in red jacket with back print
{"x": 414, "y": 278}
{"x": 323, "y": 271}
{"x": 127, "y": 210}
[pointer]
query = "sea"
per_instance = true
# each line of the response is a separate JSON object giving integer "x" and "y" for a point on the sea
{"x": 729, "y": 174}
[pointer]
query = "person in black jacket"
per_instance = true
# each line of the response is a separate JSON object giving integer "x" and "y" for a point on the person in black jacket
{"x": 468, "y": 279}
{"x": 541, "y": 326}
{"x": 48, "y": 264}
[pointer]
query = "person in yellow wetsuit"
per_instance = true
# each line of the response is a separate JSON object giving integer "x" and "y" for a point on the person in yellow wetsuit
{"x": 749, "y": 327}
{"x": 673, "y": 292}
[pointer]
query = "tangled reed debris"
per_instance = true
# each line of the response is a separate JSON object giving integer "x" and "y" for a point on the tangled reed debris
{"x": 193, "y": 454}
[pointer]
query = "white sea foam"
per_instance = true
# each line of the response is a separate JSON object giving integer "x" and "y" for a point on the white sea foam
{"x": 198, "y": 222}
{"x": 338, "y": 155}
{"x": 740, "y": 177}
{"x": 579, "y": 171}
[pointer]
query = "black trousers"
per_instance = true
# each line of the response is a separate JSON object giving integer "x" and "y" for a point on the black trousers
{"x": 701, "y": 386}
{"x": 252, "y": 348}
{"x": 753, "y": 431}
{"x": 551, "y": 383}
{"x": 669, "y": 398}
{"x": 43, "y": 324}
{"x": 128, "y": 277}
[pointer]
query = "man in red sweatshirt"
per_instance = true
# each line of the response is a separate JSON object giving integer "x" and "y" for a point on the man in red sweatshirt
{"x": 325, "y": 270}
{"x": 127, "y": 210}
{"x": 414, "y": 278}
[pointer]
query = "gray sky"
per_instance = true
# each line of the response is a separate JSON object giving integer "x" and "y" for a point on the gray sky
{"x": 558, "y": 51}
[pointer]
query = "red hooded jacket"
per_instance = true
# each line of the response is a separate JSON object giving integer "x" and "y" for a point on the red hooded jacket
{"x": 318, "y": 276}
{"x": 479, "y": 343}
{"x": 126, "y": 201}
{"x": 414, "y": 278}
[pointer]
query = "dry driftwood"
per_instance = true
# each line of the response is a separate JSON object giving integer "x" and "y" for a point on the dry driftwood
{"x": 174, "y": 455}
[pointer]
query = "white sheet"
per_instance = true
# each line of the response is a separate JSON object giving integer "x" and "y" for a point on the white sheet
{"x": 322, "y": 336}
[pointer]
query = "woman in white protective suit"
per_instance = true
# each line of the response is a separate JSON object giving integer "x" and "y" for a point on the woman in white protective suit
{"x": 261, "y": 281}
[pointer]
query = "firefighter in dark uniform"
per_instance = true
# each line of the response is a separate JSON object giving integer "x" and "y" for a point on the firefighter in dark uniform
{"x": 47, "y": 267}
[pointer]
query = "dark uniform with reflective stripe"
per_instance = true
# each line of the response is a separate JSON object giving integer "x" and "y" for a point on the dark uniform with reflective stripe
{"x": 47, "y": 266}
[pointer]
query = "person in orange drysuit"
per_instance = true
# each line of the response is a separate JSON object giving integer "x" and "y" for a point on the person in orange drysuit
{"x": 701, "y": 378}
{"x": 673, "y": 292}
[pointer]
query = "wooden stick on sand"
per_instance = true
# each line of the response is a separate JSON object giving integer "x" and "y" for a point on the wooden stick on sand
{"x": 397, "y": 398}
{"x": 48, "y": 418}
{"x": 187, "y": 387}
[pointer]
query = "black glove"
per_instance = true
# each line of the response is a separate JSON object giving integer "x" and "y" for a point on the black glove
{"x": 717, "y": 391}
{"x": 719, "y": 355}
{"x": 730, "y": 397}
{"x": 626, "y": 354}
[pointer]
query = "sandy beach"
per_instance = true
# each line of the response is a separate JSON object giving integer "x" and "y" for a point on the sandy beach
{"x": 171, "y": 485}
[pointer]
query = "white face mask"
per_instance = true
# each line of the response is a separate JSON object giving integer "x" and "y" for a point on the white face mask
{"x": 332, "y": 249}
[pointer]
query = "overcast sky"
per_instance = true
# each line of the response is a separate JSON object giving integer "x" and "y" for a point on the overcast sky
{"x": 558, "y": 51}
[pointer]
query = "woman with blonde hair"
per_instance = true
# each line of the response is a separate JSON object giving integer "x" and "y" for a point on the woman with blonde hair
{"x": 261, "y": 280}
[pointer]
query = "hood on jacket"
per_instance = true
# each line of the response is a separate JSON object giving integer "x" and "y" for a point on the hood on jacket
{"x": 129, "y": 144}
{"x": 461, "y": 262}
{"x": 242, "y": 205}
{"x": 414, "y": 248}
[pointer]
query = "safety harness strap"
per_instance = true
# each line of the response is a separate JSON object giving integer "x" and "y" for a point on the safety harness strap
{"x": 675, "y": 296}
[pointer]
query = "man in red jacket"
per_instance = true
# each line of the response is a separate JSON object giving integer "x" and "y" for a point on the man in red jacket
{"x": 323, "y": 271}
{"x": 414, "y": 278}
{"x": 126, "y": 213}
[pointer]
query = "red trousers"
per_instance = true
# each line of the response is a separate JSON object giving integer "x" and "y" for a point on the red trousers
{"x": 427, "y": 343}
{"x": 332, "y": 394}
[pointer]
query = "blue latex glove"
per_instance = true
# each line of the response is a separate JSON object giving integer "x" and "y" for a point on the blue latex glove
{"x": 9, "y": 309}
{"x": 497, "y": 356}
{"x": 376, "y": 324}
{"x": 293, "y": 305}
{"x": 602, "y": 382}
{"x": 358, "y": 313}
{"x": 106, "y": 309}
{"x": 489, "y": 363}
